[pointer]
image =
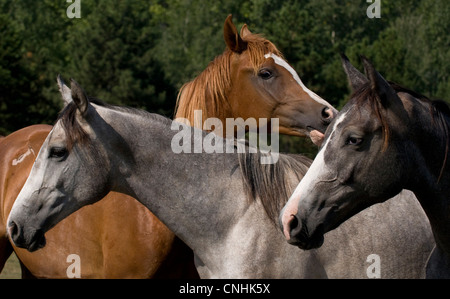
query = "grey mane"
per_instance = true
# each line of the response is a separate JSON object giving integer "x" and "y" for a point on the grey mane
{"x": 270, "y": 182}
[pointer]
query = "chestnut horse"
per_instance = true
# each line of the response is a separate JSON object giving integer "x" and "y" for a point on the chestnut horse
{"x": 250, "y": 79}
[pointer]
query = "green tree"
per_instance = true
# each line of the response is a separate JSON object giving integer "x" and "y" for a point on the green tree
{"x": 111, "y": 54}
{"x": 19, "y": 96}
{"x": 192, "y": 35}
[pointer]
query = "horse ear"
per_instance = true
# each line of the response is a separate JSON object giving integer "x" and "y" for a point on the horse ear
{"x": 355, "y": 78}
{"x": 384, "y": 90}
{"x": 79, "y": 97}
{"x": 232, "y": 39}
{"x": 245, "y": 31}
{"x": 65, "y": 91}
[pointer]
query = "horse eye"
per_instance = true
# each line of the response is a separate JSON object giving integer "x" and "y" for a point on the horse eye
{"x": 57, "y": 152}
{"x": 265, "y": 74}
{"x": 354, "y": 141}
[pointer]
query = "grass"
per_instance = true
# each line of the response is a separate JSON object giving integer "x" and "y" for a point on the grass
{"x": 12, "y": 268}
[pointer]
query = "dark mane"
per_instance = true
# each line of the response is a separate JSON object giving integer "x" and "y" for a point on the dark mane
{"x": 75, "y": 134}
{"x": 365, "y": 94}
{"x": 270, "y": 182}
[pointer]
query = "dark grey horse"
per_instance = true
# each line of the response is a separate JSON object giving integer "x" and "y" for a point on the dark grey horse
{"x": 223, "y": 206}
{"x": 386, "y": 139}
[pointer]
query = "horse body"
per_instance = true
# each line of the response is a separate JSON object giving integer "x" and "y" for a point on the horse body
{"x": 384, "y": 129}
{"x": 203, "y": 198}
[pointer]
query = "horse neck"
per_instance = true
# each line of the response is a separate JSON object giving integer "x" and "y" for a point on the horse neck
{"x": 432, "y": 186}
{"x": 198, "y": 196}
{"x": 437, "y": 208}
{"x": 208, "y": 92}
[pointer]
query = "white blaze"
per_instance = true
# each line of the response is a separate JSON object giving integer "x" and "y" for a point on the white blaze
{"x": 281, "y": 62}
{"x": 307, "y": 184}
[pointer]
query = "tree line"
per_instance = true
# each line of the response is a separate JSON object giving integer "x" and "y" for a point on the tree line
{"x": 139, "y": 53}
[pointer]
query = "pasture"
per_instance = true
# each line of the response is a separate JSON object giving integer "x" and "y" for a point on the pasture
{"x": 12, "y": 269}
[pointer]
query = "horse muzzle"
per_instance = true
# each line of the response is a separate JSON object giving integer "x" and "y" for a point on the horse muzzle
{"x": 31, "y": 240}
{"x": 297, "y": 233}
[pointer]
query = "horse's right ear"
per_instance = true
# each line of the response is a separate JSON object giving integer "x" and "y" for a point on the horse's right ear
{"x": 245, "y": 31}
{"x": 79, "y": 97}
{"x": 65, "y": 91}
{"x": 232, "y": 39}
{"x": 355, "y": 78}
{"x": 387, "y": 95}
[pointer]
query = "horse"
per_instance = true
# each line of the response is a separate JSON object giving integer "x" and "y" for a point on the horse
{"x": 118, "y": 249}
{"x": 252, "y": 80}
{"x": 386, "y": 139}
{"x": 222, "y": 204}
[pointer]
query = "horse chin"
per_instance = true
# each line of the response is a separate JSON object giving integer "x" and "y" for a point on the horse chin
{"x": 38, "y": 242}
{"x": 294, "y": 131}
{"x": 311, "y": 243}
{"x": 305, "y": 240}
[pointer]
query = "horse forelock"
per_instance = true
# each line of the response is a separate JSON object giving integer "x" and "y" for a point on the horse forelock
{"x": 207, "y": 92}
{"x": 258, "y": 47}
{"x": 75, "y": 134}
{"x": 365, "y": 95}
{"x": 270, "y": 183}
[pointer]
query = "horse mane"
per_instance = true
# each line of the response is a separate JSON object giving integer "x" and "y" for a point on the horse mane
{"x": 270, "y": 182}
{"x": 207, "y": 92}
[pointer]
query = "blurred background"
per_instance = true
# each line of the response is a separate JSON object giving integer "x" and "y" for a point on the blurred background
{"x": 139, "y": 53}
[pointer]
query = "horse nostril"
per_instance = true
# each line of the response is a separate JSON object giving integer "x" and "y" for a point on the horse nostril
{"x": 291, "y": 227}
{"x": 293, "y": 224}
{"x": 13, "y": 229}
{"x": 327, "y": 113}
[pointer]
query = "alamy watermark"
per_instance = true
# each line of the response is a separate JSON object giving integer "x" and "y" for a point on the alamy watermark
{"x": 74, "y": 269}
{"x": 189, "y": 140}
{"x": 74, "y": 9}
{"x": 374, "y": 269}
{"x": 374, "y": 10}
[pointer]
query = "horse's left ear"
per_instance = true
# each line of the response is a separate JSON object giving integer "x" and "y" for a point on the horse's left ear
{"x": 65, "y": 91}
{"x": 79, "y": 97}
{"x": 386, "y": 93}
{"x": 232, "y": 39}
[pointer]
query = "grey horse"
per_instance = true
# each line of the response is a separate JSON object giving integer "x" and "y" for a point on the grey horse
{"x": 386, "y": 138}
